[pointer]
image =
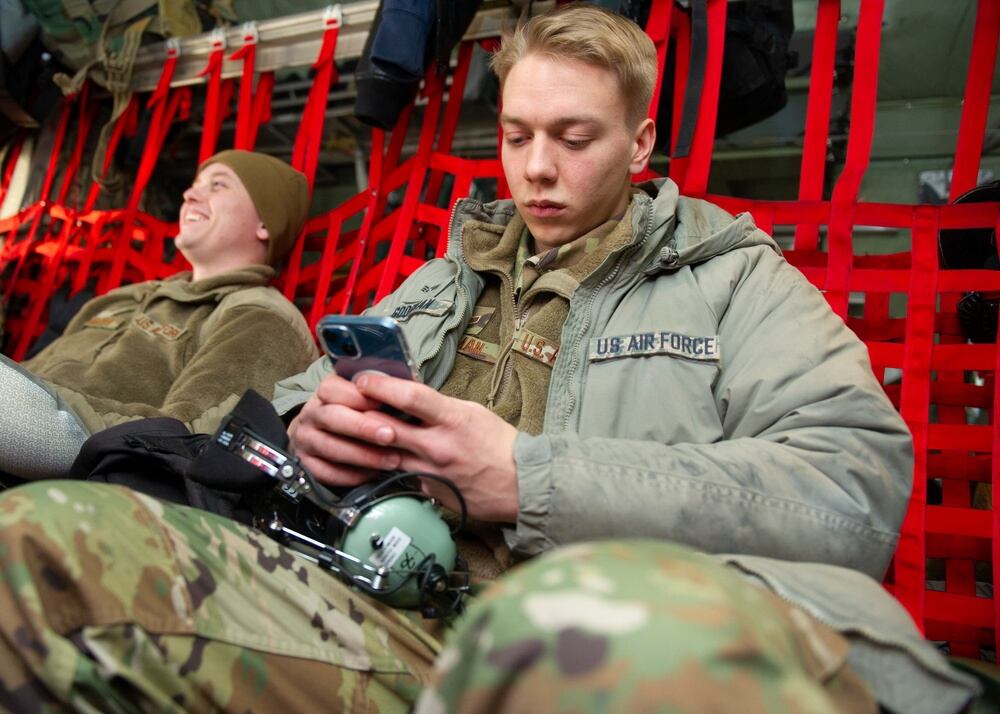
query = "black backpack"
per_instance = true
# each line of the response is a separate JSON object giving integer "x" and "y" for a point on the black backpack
{"x": 161, "y": 458}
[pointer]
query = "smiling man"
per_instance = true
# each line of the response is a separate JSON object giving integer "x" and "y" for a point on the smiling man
{"x": 598, "y": 361}
{"x": 184, "y": 347}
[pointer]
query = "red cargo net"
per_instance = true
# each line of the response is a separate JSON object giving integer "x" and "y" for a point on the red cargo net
{"x": 360, "y": 250}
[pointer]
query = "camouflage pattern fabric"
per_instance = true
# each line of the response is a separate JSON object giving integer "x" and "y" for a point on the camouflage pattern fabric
{"x": 639, "y": 626}
{"x": 112, "y": 601}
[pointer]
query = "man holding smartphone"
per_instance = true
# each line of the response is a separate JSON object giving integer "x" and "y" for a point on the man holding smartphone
{"x": 598, "y": 360}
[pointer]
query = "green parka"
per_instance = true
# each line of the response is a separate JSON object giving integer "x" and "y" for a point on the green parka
{"x": 705, "y": 393}
{"x": 176, "y": 348}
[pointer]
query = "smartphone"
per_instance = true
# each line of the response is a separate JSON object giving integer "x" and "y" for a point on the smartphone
{"x": 356, "y": 344}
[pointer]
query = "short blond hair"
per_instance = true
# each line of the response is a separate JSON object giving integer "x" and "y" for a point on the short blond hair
{"x": 589, "y": 34}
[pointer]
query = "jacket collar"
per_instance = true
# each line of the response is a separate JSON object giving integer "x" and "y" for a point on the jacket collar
{"x": 682, "y": 231}
{"x": 180, "y": 288}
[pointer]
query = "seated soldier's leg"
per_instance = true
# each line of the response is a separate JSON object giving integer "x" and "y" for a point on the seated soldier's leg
{"x": 113, "y": 601}
{"x": 639, "y": 626}
{"x": 39, "y": 434}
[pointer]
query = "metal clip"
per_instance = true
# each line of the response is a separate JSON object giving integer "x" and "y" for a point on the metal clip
{"x": 249, "y": 33}
{"x": 333, "y": 16}
{"x": 218, "y": 38}
{"x": 173, "y": 47}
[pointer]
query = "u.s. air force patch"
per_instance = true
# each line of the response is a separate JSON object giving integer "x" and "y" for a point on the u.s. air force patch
{"x": 640, "y": 344}
{"x": 429, "y": 306}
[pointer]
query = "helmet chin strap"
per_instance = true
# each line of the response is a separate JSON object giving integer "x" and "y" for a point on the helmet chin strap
{"x": 299, "y": 503}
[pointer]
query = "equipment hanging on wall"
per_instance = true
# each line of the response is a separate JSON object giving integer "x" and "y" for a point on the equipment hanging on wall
{"x": 974, "y": 249}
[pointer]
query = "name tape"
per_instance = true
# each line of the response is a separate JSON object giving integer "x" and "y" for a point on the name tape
{"x": 640, "y": 344}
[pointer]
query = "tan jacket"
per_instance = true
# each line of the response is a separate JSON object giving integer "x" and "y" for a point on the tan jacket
{"x": 176, "y": 348}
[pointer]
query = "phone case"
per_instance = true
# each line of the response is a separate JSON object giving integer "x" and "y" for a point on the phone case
{"x": 357, "y": 343}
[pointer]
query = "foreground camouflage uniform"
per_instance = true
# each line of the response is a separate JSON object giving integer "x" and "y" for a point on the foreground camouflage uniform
{"x": 639, "y": 626}
{"x": 193, "y": 612}
{"x": 188, "y": 612}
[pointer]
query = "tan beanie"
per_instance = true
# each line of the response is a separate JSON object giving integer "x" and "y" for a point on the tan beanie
{"x": 279, "y": 193}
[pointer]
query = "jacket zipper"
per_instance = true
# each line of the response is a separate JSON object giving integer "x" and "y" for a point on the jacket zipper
{"x": 504, "y": 364}
{"x": 627, "y": 253}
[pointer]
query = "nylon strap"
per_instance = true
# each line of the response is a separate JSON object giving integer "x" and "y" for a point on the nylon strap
{"x": 308, "y": 140}
{"x": 695, "y": 84}
{"x": 212, "y": 123}
{"x": 814, "y": 148}
{"x": 910, "y": 568}
{"x": 244, "y": 110}
{"x": 859, "y": 143}
{"x": 23, "y": 247}
{"x": 975, "y": 108}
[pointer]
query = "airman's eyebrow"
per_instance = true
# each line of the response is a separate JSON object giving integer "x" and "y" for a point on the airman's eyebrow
{"x": 582, "y": 120}
{"x": 209, "y": 174}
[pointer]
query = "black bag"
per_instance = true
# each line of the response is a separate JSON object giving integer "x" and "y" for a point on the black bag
{"x": 755, "y": 60}
{"x": 162, "y": 458}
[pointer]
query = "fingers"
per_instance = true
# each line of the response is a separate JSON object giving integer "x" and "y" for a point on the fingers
{"x": 413, "y": 398}
{"x": 334, "y": 389}
{"x": 336, "y": 475}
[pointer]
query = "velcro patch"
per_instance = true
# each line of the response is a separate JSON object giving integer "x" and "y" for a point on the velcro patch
{"x": 640, "y": 344}
{"x": 110, "y": 319}
{"x": 152, "y": 327}
{"x": 479, "y": 349}
{"x": 536, "y": 347}
{"x": 104, "y": 322}
{"x": 429, "y": 306}
{"x": 480, "y": 316}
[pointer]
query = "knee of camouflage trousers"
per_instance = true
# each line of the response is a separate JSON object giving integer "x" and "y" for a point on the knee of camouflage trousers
{"x": 113, "y": 601}
{"x": 639, "y": 626}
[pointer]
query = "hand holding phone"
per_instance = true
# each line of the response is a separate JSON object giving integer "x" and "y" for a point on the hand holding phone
{"x": 357, "y": 344}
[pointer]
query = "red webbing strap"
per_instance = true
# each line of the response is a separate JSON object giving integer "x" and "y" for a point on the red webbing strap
{"x": 658, "y": 29}
{"x": 995, "y": 490}
{"x": 960, "y": 575}
{"x": 374, "y": 184}
{"x": 859, "y": 142}
{"x": 52, "y": 259}
{"x": 23, "y": 247}
{"x": 814, "y": 147}
{"x": 126, "y": 123}
{"x": 46, "y": 284}
{"x": 164, "y": 110}
{"x": 244, "y": 108}
{"x": 212, "y": 123}
{"x": 326, "y": 268}
{"x": 90, "y": 248}
{"x": 682, "y": 63}
{"x": 305, "y": 153}
{"x": 975, "y": 108}
{"x": 434, "y": 90}
{"x": 910, "y": 560}
{"x": 11, "y": 162}
{"x": 88, "y": 110}
{"x": 261, "y": 109}
{"x": 451, "y": 115}
{"x": 696, "y": 176}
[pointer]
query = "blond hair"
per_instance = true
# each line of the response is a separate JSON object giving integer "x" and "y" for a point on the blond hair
{"x": 589, "y": 34}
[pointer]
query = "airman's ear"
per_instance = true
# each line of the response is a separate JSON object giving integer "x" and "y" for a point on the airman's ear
{"x": 642, "y": 146}
{"x": 262, "y": 233}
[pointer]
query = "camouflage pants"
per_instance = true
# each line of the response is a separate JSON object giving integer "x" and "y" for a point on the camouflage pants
{"x": 113, "y": 601}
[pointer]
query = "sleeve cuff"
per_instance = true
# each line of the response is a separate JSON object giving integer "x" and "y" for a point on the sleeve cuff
{"x": 533, "y": 458}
